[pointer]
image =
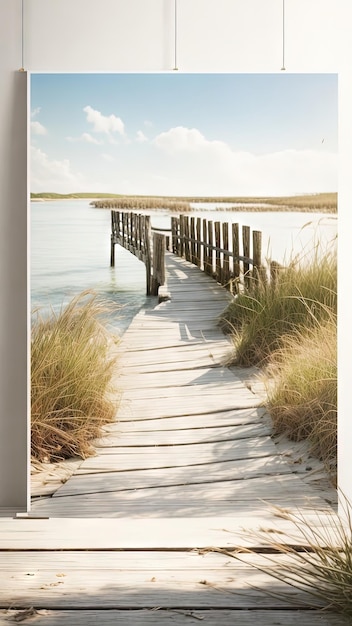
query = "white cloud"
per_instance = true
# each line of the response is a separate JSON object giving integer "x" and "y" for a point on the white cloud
{"x": 85, "y": 137}
{"x": 107, "y": 157}
{"x": 201, "y": 166}
{"x": 38, "y": 129}
{"x": 54, "y": 175}
{"x": 141, "y": 137}
{"x": 104, "y": 123}
{"x": 89, "y": 139}
{"x": 35, "y": 112}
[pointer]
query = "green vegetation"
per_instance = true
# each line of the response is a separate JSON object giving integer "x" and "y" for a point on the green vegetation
{"x": 288, "y": 327}
{"x": 320, "y": 202}
{"x": 72, "y": 366}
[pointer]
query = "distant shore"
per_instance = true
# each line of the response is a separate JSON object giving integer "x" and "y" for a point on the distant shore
{"x": 320, "y": 202}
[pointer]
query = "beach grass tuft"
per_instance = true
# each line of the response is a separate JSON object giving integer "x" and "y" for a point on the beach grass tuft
{"x": 72, "y": 368}
{"x": 288, "y": 327}
{"x": 316, "y": 559}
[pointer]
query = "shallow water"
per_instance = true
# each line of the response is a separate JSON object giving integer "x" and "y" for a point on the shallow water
{"x": 70, "y": 251}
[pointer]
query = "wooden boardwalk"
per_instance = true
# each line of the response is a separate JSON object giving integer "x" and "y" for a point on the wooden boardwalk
{"x": 140, "y": 533}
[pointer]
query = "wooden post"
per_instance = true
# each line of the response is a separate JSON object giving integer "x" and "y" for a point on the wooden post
{"x": 236, "y": 253}
{"x": 187, "y": 242}
{"x": 112, "y": 252}
{"x": 159, "y": 247}
{"x": 275, "y": 268}
{"x": 175, "y": 235}
{"x": 210, "y": 247}
{"x": 226, "y": 262}
{"x": 246, "y": 238}
{"x": 192, "y": 234}
{"x": 148, "y": 254}
{"x": 258, "y": 273}
{"x": 205, "y": 248}
{"x": 112, "y": 240}
{"x": 182, "y": 235}
{"x": 218, "y": 268}
{"x": 199, "y": 243}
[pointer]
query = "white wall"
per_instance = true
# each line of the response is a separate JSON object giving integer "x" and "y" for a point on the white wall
{"x": 13, "y": 200}
{"x": 138, "y": 35}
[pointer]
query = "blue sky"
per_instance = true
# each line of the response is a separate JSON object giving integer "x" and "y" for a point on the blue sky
{"x": 184, "y": 134}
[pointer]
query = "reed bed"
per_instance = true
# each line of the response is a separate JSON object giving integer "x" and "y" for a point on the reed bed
{"x": 72, "y": 367}
{"x": 141, "y": 203}
{"x": 320, "y": 202}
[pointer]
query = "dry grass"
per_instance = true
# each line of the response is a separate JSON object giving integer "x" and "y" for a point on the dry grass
{"x": 141, "y": 204}
{"x": 71, "y": 373}
{"x": 300, "y": 298}
{"x": 289, "y": 329}
{"x": 303, "y": 397}
{"x": 318, "y": 563}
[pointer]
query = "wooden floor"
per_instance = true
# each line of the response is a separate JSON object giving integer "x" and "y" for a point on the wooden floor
{"x": 142, "y": 533}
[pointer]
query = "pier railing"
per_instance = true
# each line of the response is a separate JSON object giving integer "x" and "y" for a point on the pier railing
{"x": 220, "y": 250}
{"x": 229, "y": 253}
{"x": 134, "y": 232}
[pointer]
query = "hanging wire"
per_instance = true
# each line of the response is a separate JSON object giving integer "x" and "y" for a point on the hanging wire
{"x": 283, "y": 35}
{"x": 22, "y": 36}
{"x": 175, "y": 35}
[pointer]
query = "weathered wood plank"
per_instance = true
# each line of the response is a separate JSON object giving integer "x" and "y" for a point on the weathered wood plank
{"x": 160, "y": 533}
{"x": 117, "y": 436}
{"x": 183, "y": 377}
{"x": 176, "y": 617}
{"x": 65, "y": 582}
{"x": 226, "y": 498}
{"x": 179, "y": 456}
{"x": 117, "y": 480}
{"x": 224, "y": 418}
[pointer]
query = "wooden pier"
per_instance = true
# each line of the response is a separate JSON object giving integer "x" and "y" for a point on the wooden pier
{"x": 230, "y": 254}
{"x": 142, "y": 532}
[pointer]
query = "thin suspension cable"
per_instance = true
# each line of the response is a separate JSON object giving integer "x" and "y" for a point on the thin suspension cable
{"x": 22, "y": 35}
{"x": 175, "y": 35}
{"x": 283, "y": 35}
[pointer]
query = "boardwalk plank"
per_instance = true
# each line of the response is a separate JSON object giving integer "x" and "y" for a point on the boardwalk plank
{"x": 118, "y": 437}
{"x": 163, "y": 533}
{"x": 225, "y": 418}
{"x": 117, "y": 480}
{"x": 122, "y": 580}
{"x": 178, "y": 617}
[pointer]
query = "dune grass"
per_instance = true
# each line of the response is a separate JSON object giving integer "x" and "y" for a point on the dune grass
{"x": 72, "y": 367}
{"x": 318, "y": 559}
{"x": 301, "y": 297}
{"x": 303, "y": 399}
{"x": 288, "y": 328}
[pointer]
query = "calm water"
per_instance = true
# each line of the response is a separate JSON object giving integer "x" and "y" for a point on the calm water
{"x": 70, "y": 252}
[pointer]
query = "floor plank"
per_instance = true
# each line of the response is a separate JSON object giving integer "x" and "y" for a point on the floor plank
{"x": 176, "y": 617}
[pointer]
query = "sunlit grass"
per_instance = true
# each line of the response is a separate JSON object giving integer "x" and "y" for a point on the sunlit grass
{"x": 300, "y": 297}
{"x": 318, "y": 559}
{"x": 71, "y": 373}
{"x": 288, "y": 328}
{"x": 302, "y": 399}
